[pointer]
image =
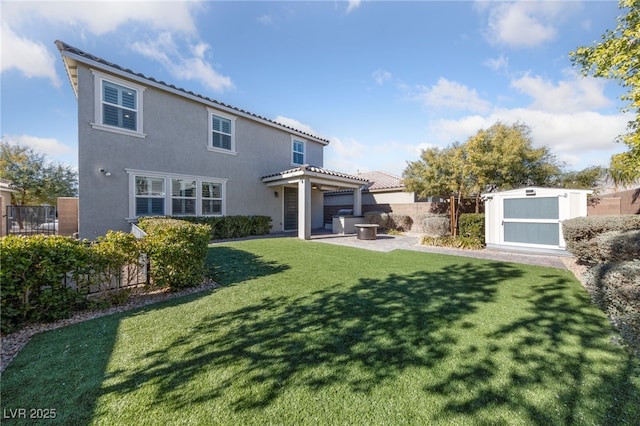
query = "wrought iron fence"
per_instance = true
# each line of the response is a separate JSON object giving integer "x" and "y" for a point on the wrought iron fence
{"x": 32, "y": 220}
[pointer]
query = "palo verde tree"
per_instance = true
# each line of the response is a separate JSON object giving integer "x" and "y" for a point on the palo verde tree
{"x": 617, "y": 57}
{"x": 498, "y": 158}
{"x": 36, "y": 180}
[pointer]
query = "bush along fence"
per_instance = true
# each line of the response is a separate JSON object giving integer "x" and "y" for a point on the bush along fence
{"x": 470, "y": 231}
{"x": 45, "y": 278}
{"x": 610, "y": 247}
{"x": 225, "y": 227}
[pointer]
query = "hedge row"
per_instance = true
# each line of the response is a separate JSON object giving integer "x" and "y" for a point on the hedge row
{"x": 471, "y": 225}
{"x": 610, "y": 246}
{"x": 35, "y": 271}
{"x": 225, "y": 227}
{"x": 45, "y": 278}
{"x": 595, "y": 239}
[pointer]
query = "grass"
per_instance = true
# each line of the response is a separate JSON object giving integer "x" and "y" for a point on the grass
{"x": 311, "y": 333}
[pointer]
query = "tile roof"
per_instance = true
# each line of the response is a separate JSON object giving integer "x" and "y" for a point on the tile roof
{"x": 382, "y": 180}
{"x": 318, "y": 170}
{"x": 66, "y": 48}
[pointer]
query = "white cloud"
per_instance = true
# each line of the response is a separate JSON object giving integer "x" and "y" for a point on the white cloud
{"x": 346, "y": 155}
{"x": 295, "y": 124}
{"x": 500, "y": 63}
{"x": 524, "y": 23}
{"x": 183, "y": 67}
{"x": 380, "y": 76}
{"x": 572, "y": 95}
{"x": 353, "y": 5}
{"x": 102, "y": 17}
{"x": 450, "y": 94}
{"x": 29, "y": 57}
{"x": 98, "y": 18}
{"x": 569, "y": 135}
{"x": 51, "y": 148}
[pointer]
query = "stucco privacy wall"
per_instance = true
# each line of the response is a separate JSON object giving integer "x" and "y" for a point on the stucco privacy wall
{"x": 177, "y": 130}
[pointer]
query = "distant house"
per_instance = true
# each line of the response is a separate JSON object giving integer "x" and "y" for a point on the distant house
{"x": 5, "y": 200}
{"x": 146, "y": 147}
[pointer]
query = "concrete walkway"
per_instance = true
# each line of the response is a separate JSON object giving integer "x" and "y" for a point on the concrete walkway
{"x": 387, "y": 243}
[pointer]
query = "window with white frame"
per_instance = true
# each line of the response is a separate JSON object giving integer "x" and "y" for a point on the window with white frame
{"x": 149, "y": 196}
{"x": 221, "y": 132}
{"x": 297, "y": 151}
{"x": 183, "y": 197}
{"x": 118, "y": 105}
{"x": 211, "y": 199}
{"x": 158, "y": 194}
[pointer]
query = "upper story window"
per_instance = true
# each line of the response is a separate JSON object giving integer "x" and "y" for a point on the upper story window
{"x": 297, "y": 151}
{"x": 221, "y": 132}
{"x": 118, "y": 105}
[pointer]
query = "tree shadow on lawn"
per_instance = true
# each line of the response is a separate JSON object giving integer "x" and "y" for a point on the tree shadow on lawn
{"x": 562, "y": 344}
{"x": 76, "y": 357}
{"x": 358, "y": 335}
{"x": 230, "y": 266}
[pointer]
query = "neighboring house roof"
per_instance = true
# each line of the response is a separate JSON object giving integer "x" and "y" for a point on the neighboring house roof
{"x": 72, "y": 54}
{"x": 382, "y": 181}
{"x": 6, "y": 186}
{"x": 377, "y": 182}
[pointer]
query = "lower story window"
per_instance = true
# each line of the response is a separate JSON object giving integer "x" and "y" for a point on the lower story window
{"x": 183, "y": 197}
{"x": 155, "y": 194}
{"x": 149, "y": 196}
{"x": 211, "y": 198}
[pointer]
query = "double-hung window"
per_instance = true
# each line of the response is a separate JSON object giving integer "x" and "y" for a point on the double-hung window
{"x": 297, "y": 151}
{"x": 118, "y": 105}
{"x": 149, "y": 196}
{"x": 221, "y": 132}
{"x": 183, "y": 197}
{"x": 211, "y": 198}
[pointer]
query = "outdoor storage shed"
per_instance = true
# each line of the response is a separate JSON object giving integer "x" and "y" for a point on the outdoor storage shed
{"x": 531, "y": 218}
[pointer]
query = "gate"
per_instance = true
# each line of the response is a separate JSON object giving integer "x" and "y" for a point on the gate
{"x": 32, "y": 220}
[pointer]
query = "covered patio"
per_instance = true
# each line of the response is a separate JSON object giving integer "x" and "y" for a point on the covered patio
{"x": 307, "y": 179}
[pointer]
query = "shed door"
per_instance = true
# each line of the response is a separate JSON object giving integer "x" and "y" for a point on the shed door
{"x": 531, "y": 221}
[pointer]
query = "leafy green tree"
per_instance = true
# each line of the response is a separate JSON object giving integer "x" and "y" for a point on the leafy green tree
{"x": 36, "y": 180}
{"x": 617, "y": 57}
{"x": 588, "y": 178}
{"x": 501, "y": 157}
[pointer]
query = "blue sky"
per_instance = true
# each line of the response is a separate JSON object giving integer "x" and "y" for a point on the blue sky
{"x": 381, "y": 80}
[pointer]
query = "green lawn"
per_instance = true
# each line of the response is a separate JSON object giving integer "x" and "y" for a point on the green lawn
{"x": 311, "y": 333}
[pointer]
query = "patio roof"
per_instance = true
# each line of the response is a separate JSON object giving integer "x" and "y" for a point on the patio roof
{"x": 327, "y": 180}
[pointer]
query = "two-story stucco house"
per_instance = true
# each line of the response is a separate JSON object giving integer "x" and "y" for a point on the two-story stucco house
{"x": 146, "y": 147}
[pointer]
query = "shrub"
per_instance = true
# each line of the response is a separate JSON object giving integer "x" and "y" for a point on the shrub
{"x": 33, "y": 274}
{"x": 225, "y": 227}
{"x": 461, "y": 242}
{"x": 579, "y": 233}
{"x": 472, "y": 225}
{"x": 615, "y": 288}
{"x": 434, "y": 225}
{"x": 381, "y": 219}
{"x": 617, "y": 246}
{"x": 177, "y": 250}
{"x": 400, "y": 222}
{"x": 110, "y": 255}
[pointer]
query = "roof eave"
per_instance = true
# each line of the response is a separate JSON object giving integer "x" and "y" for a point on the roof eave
{"x": 71, "y": 59}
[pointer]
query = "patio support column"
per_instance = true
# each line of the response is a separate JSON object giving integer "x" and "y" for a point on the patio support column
{"x": 304, "y": 208}
{"x": 357, "y": 201}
